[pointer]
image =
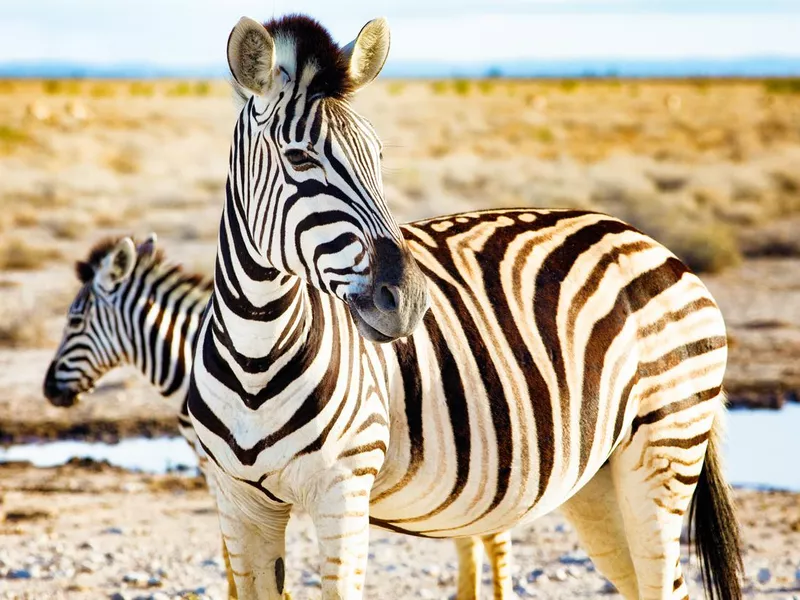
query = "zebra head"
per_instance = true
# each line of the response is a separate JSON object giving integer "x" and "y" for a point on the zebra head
{"x": 92, "y": 343}
{"x": 305, "y": 170}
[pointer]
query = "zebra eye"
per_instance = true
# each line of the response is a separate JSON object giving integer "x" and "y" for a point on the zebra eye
{"x": 75, "y": 322}
{"x": 300, "y": 159}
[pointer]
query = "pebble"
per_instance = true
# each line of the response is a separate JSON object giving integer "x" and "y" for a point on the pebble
{"x": 578, "y": 557}
{"x": 309, "y": 579}
{"x": 535, "y": 575}
{"x": 764, "y": 575}
{"x": 112, "y": 531}
{"x": 563, "y": 528}
{"x": 136, "y": 577}
{"x": 18, "y": 574}
{"x": 431, "y": 570}
{"x": 560, "y": 575}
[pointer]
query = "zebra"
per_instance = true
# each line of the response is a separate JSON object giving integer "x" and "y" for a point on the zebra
{"x": 451, "y": 377}
{"x": 136, "y": 307}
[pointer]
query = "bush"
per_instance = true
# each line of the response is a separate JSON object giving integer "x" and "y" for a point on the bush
{"x": 439, "y": 87}
{"x": 140, "y": 88}
{"x": 18, "y": 255}
{"x": 22, "y": 328}
{"x": 783, "y": 86}
{"x": 705, "y": 248}
{"x": 462, "y": 87}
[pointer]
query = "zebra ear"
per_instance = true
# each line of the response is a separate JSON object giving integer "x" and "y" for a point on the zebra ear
{"x": 367, "y": 53}
{"x": 147, "y": 247}
{"x": 118, "y": 264}
{"x": 251, "y": 55}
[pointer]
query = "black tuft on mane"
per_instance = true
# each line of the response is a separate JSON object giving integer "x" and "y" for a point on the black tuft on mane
{"x": 86, "y": 269}
{"x": 314, "y": 44}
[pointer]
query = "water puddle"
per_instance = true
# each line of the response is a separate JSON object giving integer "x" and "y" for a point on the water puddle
{"x": 760, "y": 450}
{"x": 156, "y": 455}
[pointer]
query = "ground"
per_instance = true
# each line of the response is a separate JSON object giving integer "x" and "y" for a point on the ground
{"x": 91, "y": 531}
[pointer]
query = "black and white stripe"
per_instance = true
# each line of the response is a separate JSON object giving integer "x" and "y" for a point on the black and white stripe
{"x": 567, "y": 360}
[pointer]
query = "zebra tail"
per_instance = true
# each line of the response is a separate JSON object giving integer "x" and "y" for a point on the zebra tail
{"x": 713, "y": 517}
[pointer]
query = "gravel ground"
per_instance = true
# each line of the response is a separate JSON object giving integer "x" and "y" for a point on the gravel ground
{"x": 87, "y": 530}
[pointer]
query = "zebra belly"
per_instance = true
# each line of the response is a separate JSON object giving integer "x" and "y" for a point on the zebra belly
{"x": 434, "y": 504}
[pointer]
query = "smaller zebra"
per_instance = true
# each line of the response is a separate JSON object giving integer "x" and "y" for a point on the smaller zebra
{"x": 137, "y": 308}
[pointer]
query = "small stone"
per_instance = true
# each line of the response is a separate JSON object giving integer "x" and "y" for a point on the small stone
{"x": 560, "y": 575}
{"x": 86, "y": 546}
{"x": 309, "y": 579}
{"x": 135, "y": 577}
{"x": 18, "y": 574}
{"x": 764, "y": 575}
{"x": 573, "y": 571}
{"x": 578, "y": 557}
{"x": 563, "y": 528}
{"x": 117, "y": 596}
{"x": 608, "y": 588}
{"x": 535, "y": 575}
{"x": 112, "y": 531}
{"x": 432, "y": 570}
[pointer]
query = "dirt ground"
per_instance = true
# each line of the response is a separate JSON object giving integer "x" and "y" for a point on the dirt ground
{"x": 92, "y": 531}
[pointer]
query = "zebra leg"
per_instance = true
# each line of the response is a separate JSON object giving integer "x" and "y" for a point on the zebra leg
{"x": 253, "y": 533}
{"x": 498, "y": 549}
{"x": 232, "y": 595}
{"x": 341, "y": 518}
{"x": 470, "y": 565}
{"x": 655, "y": 472}
{"x": 595, "y": 514}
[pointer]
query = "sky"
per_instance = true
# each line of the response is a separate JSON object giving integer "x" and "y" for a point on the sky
{"x": 194, "y": 32}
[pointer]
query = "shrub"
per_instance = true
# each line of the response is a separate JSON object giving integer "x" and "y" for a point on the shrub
{"x": 140, "y": 88}
{"x": 18, "y": 255}
{"x": 708, "y": 248}
{"x": 22, "y": 329}
{"x": 439, "y": 87}
{"x": 395, "y": 88}
{"x": 462, "y": 87}
{"x": 783, "y": 86}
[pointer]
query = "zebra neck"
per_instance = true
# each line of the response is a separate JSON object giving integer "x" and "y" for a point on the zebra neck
{"x": 161, "y": 313}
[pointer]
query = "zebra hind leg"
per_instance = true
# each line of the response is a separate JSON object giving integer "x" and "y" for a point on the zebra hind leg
{"x": 498, "y": 549}
{"x": 470, "y": 565}
{"x": 594, "y": 513}
{"x": 655, "y": 471}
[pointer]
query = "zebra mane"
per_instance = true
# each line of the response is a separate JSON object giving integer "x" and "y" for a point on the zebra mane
{"x": 86, "y": 269}
{"x": 313, "y": 45}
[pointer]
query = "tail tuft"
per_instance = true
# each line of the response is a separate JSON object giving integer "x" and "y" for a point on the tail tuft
{"x": 716, "y": 529}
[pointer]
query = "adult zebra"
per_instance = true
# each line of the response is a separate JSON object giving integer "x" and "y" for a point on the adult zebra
{"x": 136, "y": 307}
{"x": 566, "y": 360}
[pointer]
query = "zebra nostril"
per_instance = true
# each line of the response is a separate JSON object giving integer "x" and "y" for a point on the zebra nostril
{"x": 387, "y": 298}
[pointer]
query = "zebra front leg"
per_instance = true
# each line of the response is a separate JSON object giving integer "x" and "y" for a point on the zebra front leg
{"x": 470, "y": 565}
{"x": 232, "y": 595}
{"x": 253, "y": 533}
{"x": 341, "y": 519}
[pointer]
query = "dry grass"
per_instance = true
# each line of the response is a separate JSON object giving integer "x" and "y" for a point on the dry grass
{"x": 18, "y": 255}
{"x": 22, "y": 327}
{"x": 679, "y": 160}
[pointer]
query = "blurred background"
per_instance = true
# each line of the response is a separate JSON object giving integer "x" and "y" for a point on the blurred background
{"x": 679, "y": 116}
